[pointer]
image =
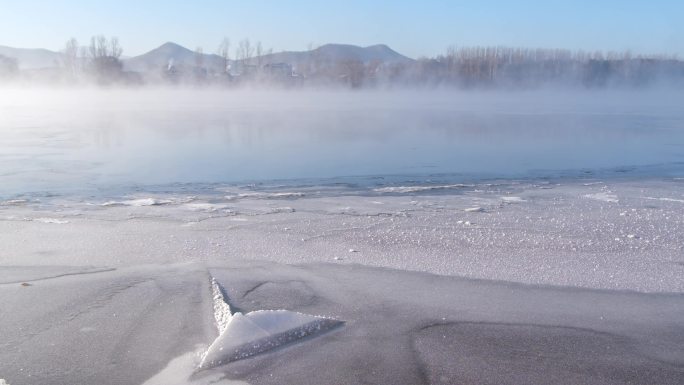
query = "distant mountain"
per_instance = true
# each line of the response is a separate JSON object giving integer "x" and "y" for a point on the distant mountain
{"x": 160, "y": 57}
{"x": 29, "y": 59}
{"x": 331, "y": 53}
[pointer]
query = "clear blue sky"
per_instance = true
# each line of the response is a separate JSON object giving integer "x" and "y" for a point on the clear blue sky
{"x": 414, "y": 28}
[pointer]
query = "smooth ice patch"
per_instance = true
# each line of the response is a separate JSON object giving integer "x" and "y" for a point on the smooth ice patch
{"x": 177, "y": 373}
{"x": 413, "y": 189}
{"x": 264, "y": 195}
{"x": 246, "y": 335}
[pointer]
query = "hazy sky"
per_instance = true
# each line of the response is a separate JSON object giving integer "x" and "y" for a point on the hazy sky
{"x": 414, "y": 28}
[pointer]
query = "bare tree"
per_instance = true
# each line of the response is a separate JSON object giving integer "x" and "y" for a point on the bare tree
{"x": 224, "y": 52}
{"x": 115, "y": 48}
{"x": 71, "y": 50}
{"x": 199, "y": 57}
{"x": 245, "y": 51}
{"x": 103, "y": 58}
{"x": 259, "y": 54}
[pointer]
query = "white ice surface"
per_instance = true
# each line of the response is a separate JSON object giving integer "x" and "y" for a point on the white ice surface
{"x": 552, "y": 235}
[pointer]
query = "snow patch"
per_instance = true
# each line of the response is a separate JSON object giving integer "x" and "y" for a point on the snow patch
{"x": 604, "y": 197}
{"x": 474, "y": 210}
{"x": 54, "y": 221}
{"x": 513, "y": 199}
{"x": 139, "y": 202}
{"x": 206, "y": 207}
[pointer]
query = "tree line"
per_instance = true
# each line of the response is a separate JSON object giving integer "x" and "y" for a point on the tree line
{"x": 530, "y": 68}
{"x": 465, "y": 67}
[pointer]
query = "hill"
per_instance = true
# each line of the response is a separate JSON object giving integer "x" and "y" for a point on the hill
{"x": 30, "y": 59}
{"x": 160, "y": 57}
{"x": 333, "y": 53}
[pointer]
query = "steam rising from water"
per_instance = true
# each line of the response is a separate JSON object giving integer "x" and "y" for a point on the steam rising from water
{"x": 96, "y": 140}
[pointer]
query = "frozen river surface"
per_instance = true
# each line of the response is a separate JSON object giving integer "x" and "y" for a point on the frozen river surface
{"x": 449, "y": 238}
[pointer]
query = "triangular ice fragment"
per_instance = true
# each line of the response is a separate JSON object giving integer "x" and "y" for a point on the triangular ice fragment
{"x": 260, "y": 331}
{"x": 246, "y": 335}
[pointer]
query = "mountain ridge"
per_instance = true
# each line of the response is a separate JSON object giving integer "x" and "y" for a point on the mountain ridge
{"x": 159, "y": 57}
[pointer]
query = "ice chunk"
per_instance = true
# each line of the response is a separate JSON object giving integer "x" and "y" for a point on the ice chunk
{"x": 474, "y": 210}
{"x": 245, "y": 335}
{"x": 512, "y": 199}
{"x": 54, "y": 221}
{"x": 12, "y": 202}
{"x": 259, "y": 331}
{"x": 139, "y": 202}
{"x": 222, "y": 312}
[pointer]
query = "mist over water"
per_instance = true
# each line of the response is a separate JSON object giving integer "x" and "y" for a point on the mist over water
{"x": 61, "y": 141}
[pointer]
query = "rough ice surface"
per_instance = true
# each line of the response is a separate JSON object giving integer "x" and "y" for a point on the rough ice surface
{"x": 222, "y": 313}
{"x": 245, "y": 335}
{"x": 548, "y": 232}
{"x": 260, "y": 331}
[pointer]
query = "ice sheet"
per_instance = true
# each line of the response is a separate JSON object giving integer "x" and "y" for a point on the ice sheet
{"x": 151, "y": 324}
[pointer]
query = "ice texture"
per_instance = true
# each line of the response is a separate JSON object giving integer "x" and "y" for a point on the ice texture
{"x": 245, "y": 335}
{"x": 259, "y": 331}
{"x": 553, "y": 234}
